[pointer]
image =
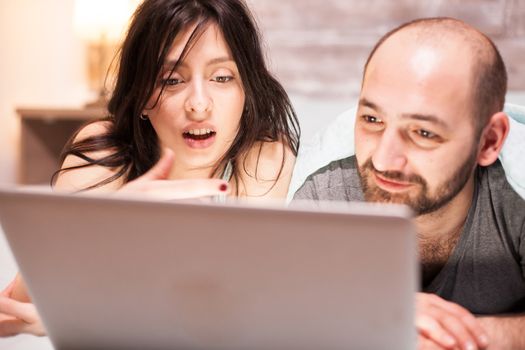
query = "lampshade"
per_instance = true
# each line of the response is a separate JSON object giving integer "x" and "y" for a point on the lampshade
{"x": 107, "y": 19}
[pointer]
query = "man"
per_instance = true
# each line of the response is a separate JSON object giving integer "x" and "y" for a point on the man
{"x": 428, "y": 132}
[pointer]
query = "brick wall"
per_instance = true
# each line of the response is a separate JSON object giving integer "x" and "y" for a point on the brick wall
{"x": 317, "y": 48}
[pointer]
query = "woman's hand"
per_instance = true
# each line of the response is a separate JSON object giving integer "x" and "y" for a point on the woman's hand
{"x": 155, "y": 183}
{"x": 17, "y": 313}
{"x": 17, "y": 317}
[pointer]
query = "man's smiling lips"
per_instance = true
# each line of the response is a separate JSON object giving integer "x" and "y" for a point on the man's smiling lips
{"x": 391, "y": 185}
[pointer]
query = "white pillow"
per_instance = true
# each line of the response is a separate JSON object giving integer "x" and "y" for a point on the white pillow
{"x": 337, "y": 142}
{"x": 512, "y": 155}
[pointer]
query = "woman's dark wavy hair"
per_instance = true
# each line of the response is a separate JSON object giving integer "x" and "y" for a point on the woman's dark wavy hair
{"x": 268, "y": 114}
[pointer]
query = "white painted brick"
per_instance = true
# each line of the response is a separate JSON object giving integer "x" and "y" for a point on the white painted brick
{"x": 318, "y": 47}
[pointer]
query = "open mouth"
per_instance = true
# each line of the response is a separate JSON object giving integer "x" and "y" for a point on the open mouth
{"x": 199, "y": 134}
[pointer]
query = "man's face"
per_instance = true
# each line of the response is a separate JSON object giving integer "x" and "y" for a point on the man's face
{"x": 414, "y": 134}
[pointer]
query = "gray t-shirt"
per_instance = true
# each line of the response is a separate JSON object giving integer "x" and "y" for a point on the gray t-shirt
{"x": 485, "y": 272}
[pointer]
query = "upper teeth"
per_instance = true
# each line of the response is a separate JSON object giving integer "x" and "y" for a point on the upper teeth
{"x": 199, "y": 131}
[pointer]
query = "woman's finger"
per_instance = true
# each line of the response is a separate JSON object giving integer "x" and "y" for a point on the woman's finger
{"x": 19, "y": 290}
{"x": 12, "y": 327}
{"x": 17, "y": 318}
{"x": 185, "y": 189}
{"x": 161, "y": 169}
{"x": 15, "y": 326}
{"x": 23, "y": 311}
{"x": 9, "y": 289}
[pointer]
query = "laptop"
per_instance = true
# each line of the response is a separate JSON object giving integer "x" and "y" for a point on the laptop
{"x": 127, "y": 273}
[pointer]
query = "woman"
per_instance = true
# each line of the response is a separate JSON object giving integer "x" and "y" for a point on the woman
{"x": 194, "y": 113}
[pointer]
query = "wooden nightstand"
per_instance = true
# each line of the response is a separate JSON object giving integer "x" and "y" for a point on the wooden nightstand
{"x": 44, "y": 132}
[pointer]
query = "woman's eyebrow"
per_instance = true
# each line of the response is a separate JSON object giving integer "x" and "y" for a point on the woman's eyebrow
{"x": 216, "y": 60}
{"x": 219, "y": 60}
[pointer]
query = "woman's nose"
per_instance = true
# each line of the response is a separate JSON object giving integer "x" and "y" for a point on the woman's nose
{"x": 199, "y": 102}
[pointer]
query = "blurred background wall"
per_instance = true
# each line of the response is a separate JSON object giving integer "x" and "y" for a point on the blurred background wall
{"x": 315, "y": 47}
{"x": 41, "y": 64}
{"x": 318, "y": 47}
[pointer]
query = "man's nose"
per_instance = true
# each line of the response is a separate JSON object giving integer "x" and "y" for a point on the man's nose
{"x": 390, "y": 154}
{"x": 198, "y": 103}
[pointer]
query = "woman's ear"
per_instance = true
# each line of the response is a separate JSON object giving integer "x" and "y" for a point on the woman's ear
{"x": 492, "y": 138}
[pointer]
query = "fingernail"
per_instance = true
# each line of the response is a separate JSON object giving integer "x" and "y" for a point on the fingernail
{"x": 223, "y": 187}
{"x": 470, "y": 346}
{"x": 449, "y": 340}
{"x": 484, "y": 340}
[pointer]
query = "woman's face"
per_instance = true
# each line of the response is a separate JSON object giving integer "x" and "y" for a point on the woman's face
{"x": 200, "y": 109}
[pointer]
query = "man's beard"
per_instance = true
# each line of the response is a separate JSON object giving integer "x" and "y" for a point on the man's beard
{"x": 423, "y": 202}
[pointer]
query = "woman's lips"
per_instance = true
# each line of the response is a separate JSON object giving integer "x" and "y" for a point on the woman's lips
{"x": 199, "y": 141}
{"x": 391, "y": 185}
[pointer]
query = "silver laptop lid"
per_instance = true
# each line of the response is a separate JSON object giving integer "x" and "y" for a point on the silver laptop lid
{"x": 134, "y": 274}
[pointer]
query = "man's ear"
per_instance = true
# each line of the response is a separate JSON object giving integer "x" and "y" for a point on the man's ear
{"x": 492, "y": 138}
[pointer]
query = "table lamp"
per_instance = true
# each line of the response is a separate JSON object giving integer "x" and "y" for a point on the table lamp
{"x": 101, "y": 24}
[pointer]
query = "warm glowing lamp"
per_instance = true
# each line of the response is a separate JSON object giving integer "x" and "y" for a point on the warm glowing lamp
{"x": 101, "y": 24}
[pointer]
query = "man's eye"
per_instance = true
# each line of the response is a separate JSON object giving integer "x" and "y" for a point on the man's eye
{"x": 426, "y": 134}
{"x": 222, "y": 78}
{"x": 371, "y": 119}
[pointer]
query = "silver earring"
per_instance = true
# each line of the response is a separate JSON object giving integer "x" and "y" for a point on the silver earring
{"x": 144, "y": 117}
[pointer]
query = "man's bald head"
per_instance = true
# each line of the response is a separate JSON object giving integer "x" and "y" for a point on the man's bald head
{"x": 488, "y": 73}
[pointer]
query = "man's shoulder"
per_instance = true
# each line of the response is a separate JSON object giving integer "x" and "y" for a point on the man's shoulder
{"x": 345, "y": 166}
{"x": 339, "y": 180}
{"x": 504, "y": 201}
{"x": 493, "y": 177}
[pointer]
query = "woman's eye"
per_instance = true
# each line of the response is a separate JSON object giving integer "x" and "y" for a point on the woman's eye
{"x": 171, "y": 81}
{"x": 222, "y": 78}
